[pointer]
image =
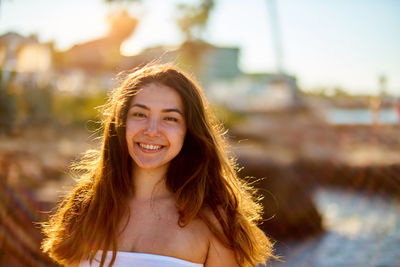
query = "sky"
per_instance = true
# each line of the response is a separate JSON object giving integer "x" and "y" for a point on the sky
{"x": 331, "y": 43}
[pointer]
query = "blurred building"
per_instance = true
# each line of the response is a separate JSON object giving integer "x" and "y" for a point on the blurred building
{"x": 90, "y": 67}
{"x": 220, "y": 63}
{"x": 24, "y": 54}
{"x": 256, "y": 92}
{"x": 224, "y": 83}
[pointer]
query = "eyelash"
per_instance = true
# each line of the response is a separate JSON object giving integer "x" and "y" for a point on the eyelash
{"x": 138, "y": 114}
{"x": 171, "y": 119}
{"x": 141, "y": 115}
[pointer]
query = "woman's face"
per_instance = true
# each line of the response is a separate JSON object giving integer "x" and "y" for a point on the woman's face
{"x": 155, "y": 126}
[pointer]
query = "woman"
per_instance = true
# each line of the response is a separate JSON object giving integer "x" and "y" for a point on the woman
{"x": 161, "y": 190}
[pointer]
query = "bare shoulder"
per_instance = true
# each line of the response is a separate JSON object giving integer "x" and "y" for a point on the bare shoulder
{"x": 218, "y": 254}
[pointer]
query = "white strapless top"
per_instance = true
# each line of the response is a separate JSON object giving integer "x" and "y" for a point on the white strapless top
{"x": 125, "y": 259}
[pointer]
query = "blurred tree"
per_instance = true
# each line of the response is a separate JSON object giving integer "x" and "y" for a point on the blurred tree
{"x": 101, "y": 54}
{"x": 340, "y": 92}
{"x": 383, "y": 85}
{"x": 192, "y": 21}
{"x": 8, "y": 101}
{"x": 121, "y": 25}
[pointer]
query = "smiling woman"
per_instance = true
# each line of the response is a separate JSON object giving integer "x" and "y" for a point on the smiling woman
{"x": 161, "y": 191}
{"x": 155, "y": 126}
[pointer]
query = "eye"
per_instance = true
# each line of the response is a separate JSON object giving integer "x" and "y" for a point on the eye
{"x": 138, "y": 115}
{"x": 171, "y": 119}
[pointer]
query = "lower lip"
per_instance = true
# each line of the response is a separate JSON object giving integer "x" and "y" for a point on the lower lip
{"x": 149, "y": 150}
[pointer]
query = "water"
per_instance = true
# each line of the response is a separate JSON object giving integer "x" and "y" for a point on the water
{"x": 361, "y": 230}
{"x": 361, "y": 116}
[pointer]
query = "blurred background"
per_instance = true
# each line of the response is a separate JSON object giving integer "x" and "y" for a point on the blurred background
{"x": 308, "y": 90}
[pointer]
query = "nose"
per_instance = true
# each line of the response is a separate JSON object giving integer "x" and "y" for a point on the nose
{"x": 151, "y": 129}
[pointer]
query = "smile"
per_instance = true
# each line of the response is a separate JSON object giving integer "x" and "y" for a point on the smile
{"x": 150, "y": 147}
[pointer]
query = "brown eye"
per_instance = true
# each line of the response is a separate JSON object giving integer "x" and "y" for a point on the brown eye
{"x": 171, "y": 119}
{"x": 138, "y": 115}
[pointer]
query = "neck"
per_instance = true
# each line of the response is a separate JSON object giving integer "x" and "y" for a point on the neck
{"x": 149, "y": 183}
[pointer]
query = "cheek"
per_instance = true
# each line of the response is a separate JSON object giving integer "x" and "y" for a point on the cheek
{"x": 131, "y": 127}
{"x": 129, "y": 133}
{"x": 181, "y": 137}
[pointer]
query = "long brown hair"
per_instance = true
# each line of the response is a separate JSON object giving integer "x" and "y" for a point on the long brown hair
{"x": 87, "y": 219}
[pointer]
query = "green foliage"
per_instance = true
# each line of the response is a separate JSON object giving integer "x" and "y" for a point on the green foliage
{"x": 227, "y": 116}
{"x": 193, "y": 19}
{"x": 78, "y": 109}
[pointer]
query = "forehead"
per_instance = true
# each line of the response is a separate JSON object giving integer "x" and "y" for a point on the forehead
{"x": 158, "y": 95}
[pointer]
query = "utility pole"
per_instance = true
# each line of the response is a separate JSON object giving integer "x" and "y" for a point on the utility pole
{"x": 273, "y": 14}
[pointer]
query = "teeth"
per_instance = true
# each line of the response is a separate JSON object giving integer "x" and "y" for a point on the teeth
{"x": 147, "y": 146}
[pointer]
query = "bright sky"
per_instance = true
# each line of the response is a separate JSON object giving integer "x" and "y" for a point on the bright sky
{"x": 330, "y": 43}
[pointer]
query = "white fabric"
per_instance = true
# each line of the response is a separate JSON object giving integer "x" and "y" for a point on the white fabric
{"x": 125, "y": 259}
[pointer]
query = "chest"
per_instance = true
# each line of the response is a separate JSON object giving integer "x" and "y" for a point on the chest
{"x": 154, "y": 229}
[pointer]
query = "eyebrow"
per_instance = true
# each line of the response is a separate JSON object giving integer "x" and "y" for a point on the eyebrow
{"x": 164, "y": 110}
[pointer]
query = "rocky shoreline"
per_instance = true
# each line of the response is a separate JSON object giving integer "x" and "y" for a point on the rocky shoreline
{"x": 292, "y": 158}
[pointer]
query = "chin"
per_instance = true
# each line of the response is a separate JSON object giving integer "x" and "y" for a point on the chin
{"x": 150, "y": 165}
